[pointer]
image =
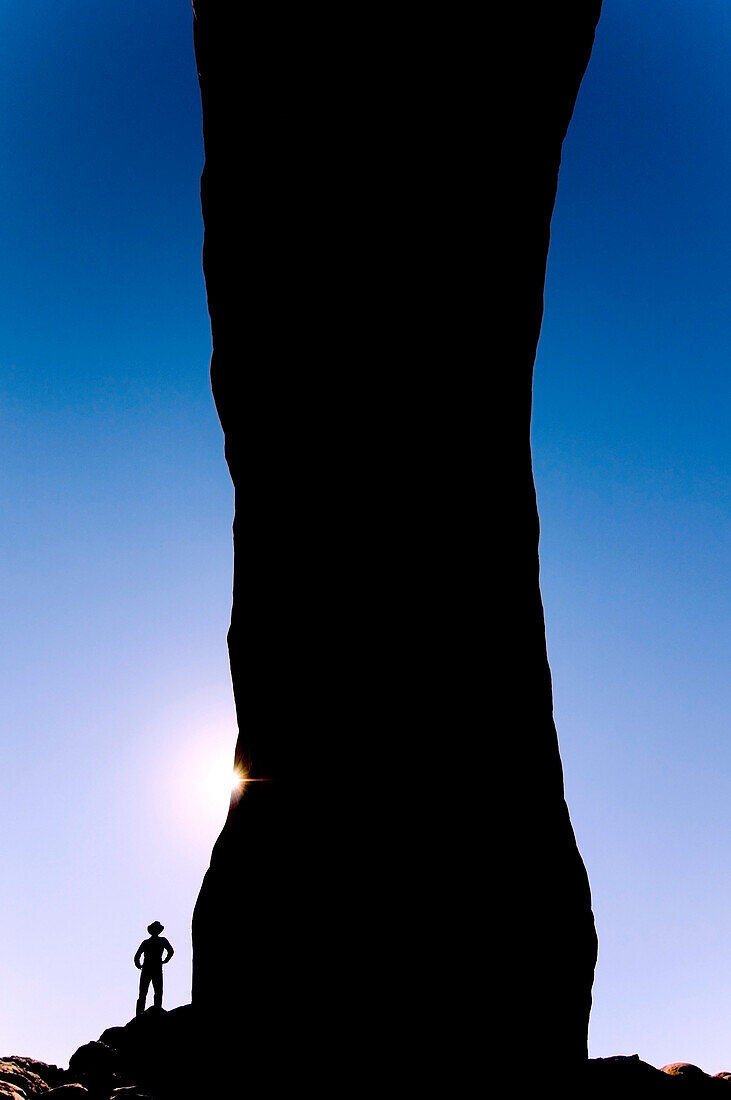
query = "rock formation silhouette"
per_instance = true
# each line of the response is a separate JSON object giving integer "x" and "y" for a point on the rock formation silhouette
{"x": 375, "y": 310}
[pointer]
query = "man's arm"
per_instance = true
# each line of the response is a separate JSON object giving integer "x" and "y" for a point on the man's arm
{"x": 138, "y": 956}
{"x": 168, "y": 947}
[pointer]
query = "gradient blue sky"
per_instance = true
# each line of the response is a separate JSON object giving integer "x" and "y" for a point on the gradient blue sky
{"x": 117, "y": 507}
{"x": 631, "y": 451}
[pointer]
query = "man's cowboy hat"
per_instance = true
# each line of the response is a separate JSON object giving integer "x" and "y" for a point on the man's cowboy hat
{"x": 155, "y": 927}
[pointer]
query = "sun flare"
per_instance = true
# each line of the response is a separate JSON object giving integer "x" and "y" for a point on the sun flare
{"x": 217, "y": 781}
{"x": 205, "y": 784}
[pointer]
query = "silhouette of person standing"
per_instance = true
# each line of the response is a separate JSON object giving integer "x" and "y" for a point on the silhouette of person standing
{"x": 152, "y": 951}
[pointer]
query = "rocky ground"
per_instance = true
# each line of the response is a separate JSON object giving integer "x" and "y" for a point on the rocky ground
{"x": 147, "y": 1059}
{"x": 629, "y": 1077}
{"x": 156, "y": 1057}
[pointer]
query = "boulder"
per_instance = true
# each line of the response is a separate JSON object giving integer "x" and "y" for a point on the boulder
{"x": 53, "y": 1075}
{"x": 94, "y": 1059}
{"x": 684, "y": 1069}
{"x": 13, "y": 1092}
{"x": 26, "y": 1079}
{"x": 99, "y": 1067}
{"x": 114, "y": 1037}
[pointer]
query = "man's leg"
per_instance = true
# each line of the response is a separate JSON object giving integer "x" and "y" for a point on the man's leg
{"x": 144, "y": 986}
{"x": 157, "y": 987}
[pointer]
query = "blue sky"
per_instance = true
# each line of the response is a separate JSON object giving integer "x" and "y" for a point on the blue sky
{"x": 116, "y": 551}
{"x": 631, "y": 455}
{"x": 116, "y": 504}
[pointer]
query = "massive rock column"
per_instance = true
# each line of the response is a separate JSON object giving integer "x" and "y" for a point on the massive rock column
{"x": 403, "y": 851}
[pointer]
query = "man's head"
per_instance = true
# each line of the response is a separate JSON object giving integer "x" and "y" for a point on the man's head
{"x": 155, "y": 928}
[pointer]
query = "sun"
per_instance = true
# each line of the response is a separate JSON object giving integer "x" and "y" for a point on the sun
{"x": 238, "y": 781}
{"x": 217, "y": 782}
{"x": 205, "y": 782}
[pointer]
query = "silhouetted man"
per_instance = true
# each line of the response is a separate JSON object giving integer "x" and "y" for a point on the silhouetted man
{"x": 152, "y": 951}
